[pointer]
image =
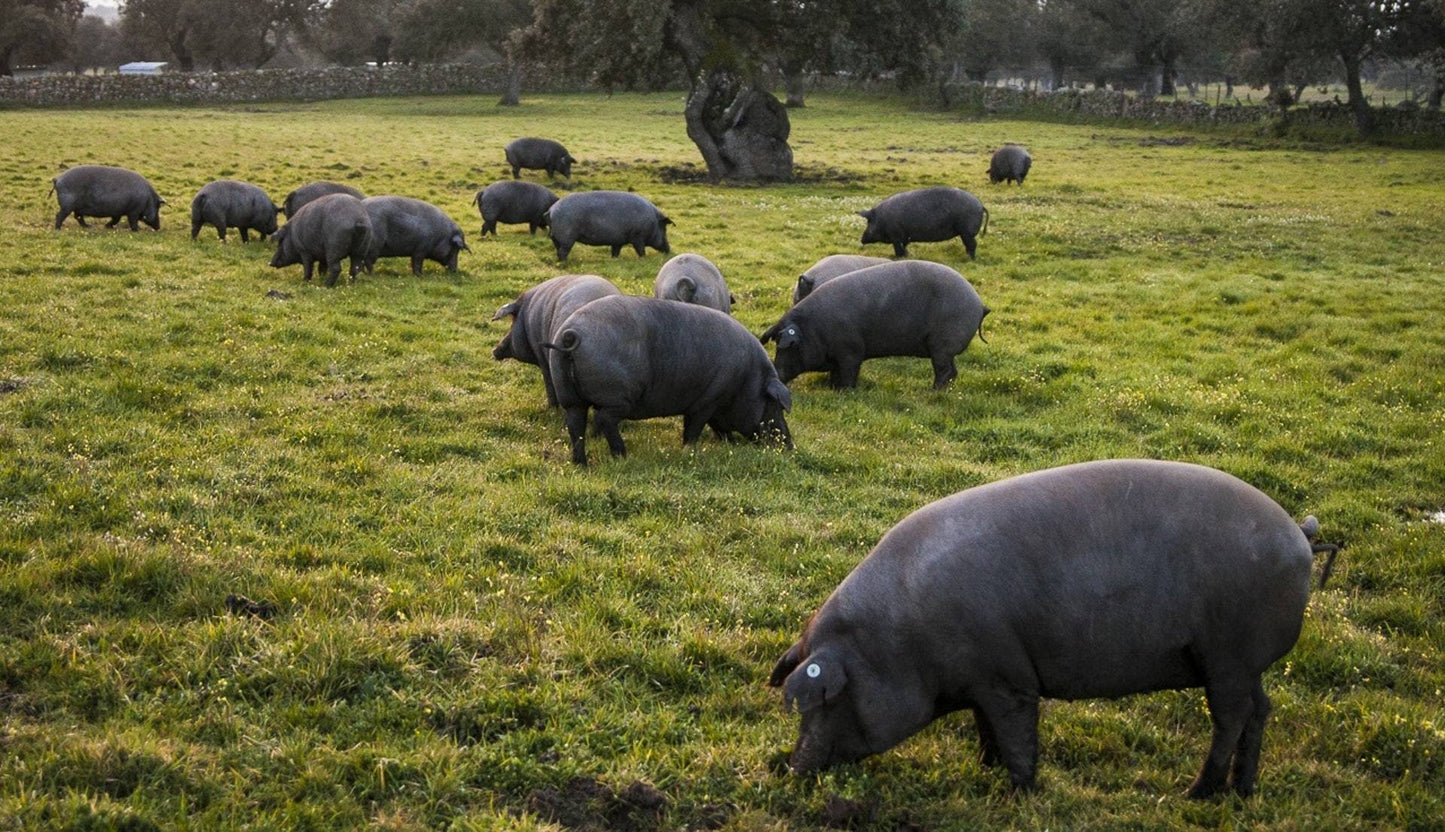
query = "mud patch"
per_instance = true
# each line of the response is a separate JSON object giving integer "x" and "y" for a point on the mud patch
{"x": 1169, "y": 141}
{"x": 689, "y": 173}
{"x": 588, "y": 805}
{"x": 842, "y": 813}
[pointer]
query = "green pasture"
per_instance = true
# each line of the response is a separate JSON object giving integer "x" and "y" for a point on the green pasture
{"x": 472, "y": 634}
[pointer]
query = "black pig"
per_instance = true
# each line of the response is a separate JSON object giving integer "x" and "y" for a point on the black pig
{"x": 637, "y": 358}
{"x": 226, "y": 203}
{"x": 104, "y": 191}
{"x": 328, "y": 229}
{"x": 512, "y": 201}
{"x": 536, "y": 313}
{"x": 927, "y": 215}
{"x": 1094, "y": 580}
{"x": 910, "y": 307}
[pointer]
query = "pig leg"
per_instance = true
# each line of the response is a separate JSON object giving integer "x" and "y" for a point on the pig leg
{"x": 306, "y": 264}
{"x": 133, "y": 221}
{"x": 616, "y": 250}
{"x": 245, "y": 234}
{"x": 547, "y": 382}
{"x": 333, "y": 271}
{"x": 692, "y": 425}
{"x": 970, "y": 244}
{"x": 576, "y": 418}
{"x": 606, "y": 421}
{"x": 196, "y": 229}
{"x": 80, "y": 219}
{"x": 516, "y": 172}
{"x": 1246, "y": 756}
{"x": 900, "y": 249}
{"x": 114, "y": 221}
{"x": 490, "y": 227}
{"x": 988, "y": 753}
{"x": 221, "y": 232}
{"x": 845, "y": 374}
{"x": 60, "y": 218}
{"x": 416, "y": 265}
{"x": 1013, "y": 719}
{"x": 944, "y": 371}
{"x": 531, "y": 228}
{"x": 1230, "y": 706}
{"x": 640, "y": 249}
{"x": 563, "y": 249}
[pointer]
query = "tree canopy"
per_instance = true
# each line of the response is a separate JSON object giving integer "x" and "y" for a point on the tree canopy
{"x": 36, "y": 30}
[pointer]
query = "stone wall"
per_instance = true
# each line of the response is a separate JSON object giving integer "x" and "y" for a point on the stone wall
{"x": 460, "y": 79}
{"x": 1107, "y": 105}
{"x": 254, "y": 85}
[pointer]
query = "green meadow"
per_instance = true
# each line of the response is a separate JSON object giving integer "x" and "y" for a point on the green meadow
{"x": 469, "y": 633}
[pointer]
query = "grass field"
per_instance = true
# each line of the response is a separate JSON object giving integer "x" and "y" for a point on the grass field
{"x": 470, "y": 633}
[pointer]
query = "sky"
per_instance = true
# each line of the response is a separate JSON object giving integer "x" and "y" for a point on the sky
{"x": 106, "y": 9}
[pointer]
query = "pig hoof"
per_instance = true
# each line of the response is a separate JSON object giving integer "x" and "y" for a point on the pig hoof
{"x": 1202, "y": 791}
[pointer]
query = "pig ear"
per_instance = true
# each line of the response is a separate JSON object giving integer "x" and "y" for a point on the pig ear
{"x": 666, "y": 221}
{"x": 787, "y": 663}
{"x": 778, "y": 391}
{"x": 816, "y": 681}
{"x": 509, "y": 309}
{"x": 460, "y": 242}
{"x": 770, "y": 333}
{"x": 867, "y": 215}
{"x": 686, "y": 289}
{"x": 788, "y": 336}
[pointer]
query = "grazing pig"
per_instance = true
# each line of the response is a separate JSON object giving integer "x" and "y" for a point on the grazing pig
{"x": 636, "y": 358}
{"x": 830, "y": 267}
{"x": 692, "y": 278}
{"x": 1088, "y": 581}
{"x": 406, "y": 227}
{"x": 306, "y": 193}
{"x": 607, "y": 218}
{"x": 911, "y": 307}
{"x": 510, "y": 201}
{"x": 536, "y": 313}
{"x": 927, "y": 215}
{"x": 1009, "y": 163}
{"x": 326, "y": 229}
{"x": 104, "y": 191}
{"x": 226, "y": 203}
{"x": 539, "y": 154}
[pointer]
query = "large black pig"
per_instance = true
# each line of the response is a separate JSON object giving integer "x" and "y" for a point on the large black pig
{"x": 1094, "y": 580}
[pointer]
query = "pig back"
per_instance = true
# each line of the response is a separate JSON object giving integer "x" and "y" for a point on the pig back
{"x": 897, "y": 308}
{"x": 1101, "y": 579}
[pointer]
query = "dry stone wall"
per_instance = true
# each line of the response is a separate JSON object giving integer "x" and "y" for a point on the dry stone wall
{"x": 1104, "y": 105}
{"x": 460, "y": 79}
{"x": 254, "y": 85}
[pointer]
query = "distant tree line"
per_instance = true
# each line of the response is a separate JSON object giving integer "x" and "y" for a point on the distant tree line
{"x": 729, "y": 53}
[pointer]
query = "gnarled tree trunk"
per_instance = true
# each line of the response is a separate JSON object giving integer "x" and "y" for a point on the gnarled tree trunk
{"x": 1364, "y": 118}
{"x": 184, "y": 58}
{"x": 741, "y": 129}
{"x": 794, "y": 86}
{"x": 513, "y": 94}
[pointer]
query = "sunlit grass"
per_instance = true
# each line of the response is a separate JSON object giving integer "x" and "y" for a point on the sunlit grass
{"x": 472, "y": 634}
